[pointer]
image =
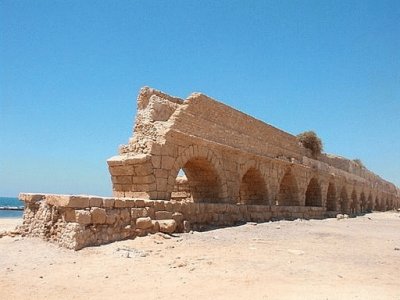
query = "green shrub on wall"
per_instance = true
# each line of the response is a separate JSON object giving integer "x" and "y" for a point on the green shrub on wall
{"x": 310, "y": 140}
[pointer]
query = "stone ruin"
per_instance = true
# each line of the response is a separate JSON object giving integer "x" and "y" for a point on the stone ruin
{"x": 237, "y": 169}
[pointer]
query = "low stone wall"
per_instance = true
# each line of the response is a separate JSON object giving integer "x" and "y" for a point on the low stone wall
{"x": 76, "y": 222}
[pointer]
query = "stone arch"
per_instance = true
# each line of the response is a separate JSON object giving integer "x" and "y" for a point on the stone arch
{"x": 377, "y": 204}
{"x": 288, "y": 194}
{"x": 204, "y": 173}
{"x": 386, "y": 204}
{"x": 253, "y": 188}
{"x": 344, "y": 200}
{"x": 313, "y": 193}
{"x": 363, "y": 202}
{"x": 331, "y": 197}
{"x": 354, "y": 202}
{"x": 370, "y": 203}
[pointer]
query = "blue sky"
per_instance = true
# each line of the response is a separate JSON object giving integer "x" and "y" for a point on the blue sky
{"x": 70, "y": 72}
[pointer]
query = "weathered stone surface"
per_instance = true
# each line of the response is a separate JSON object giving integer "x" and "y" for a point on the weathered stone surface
{"x": 163, "y": 215}
{"x": 144, "y": 223}
{"x": 98, "y": 215}
{"x": 83, "y": 217}
{"x": 95, "y": 201}
{"x": 167, "y": 226}
{"x": 178, "y": 217}
{"x": 29, "y": 197}
{"x": 186, "y": 226}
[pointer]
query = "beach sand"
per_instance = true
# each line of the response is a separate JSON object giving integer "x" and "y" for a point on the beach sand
{"x": 357, "y": 258}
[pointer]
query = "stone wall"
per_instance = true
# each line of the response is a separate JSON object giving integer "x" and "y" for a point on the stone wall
{"x": 76, "y": 222}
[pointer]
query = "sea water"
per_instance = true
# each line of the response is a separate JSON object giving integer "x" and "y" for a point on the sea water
{"x": 10, "y": 202}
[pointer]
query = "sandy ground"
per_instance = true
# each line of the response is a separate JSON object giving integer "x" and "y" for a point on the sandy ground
{"x": 356, "y": 258}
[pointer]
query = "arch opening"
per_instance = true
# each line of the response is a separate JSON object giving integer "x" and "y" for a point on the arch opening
{"x": 181, "y": 191}
{"x": 252, "y": 188}
{"x": 354, "y": 203}
{"x": 202, "y": 181}
{"x": 377, "y": 205}
{"x": 370, "y": 203}
{"x": 331, "y": 198}
{"x": 288, "y": 191}
{"x": 363, "y": 203}
{"x": 344, "y": 201}
{"x": 313, "y": 193}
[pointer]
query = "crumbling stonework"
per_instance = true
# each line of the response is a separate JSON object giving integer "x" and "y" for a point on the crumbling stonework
{"x": 230, "y": 157}
{"x": 237, "y": 168}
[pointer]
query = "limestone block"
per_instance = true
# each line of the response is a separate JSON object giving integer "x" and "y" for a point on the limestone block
{"x": 150, "y": 212}
{"x": 115, "y": 160}
{"x": 144, "y": 223}
{"x": 98, "y": 215}
{"x": 139, "y": 179}
{"x": 155, "y": 149}
{"x": 156, "y": 161}
{"x": 161, "y": 173}
{"x": 108, "y": 202}
{"x": 163, "y": 215}
{"x": 167, "y": 162}
{"x": 29, "y": 197}
{"x": 156, "y": 226}
{"x": 138, "y": 213}
{"x": 186, "y": 226}
{"x": 121, "y": 170}
{"x": 111, "y": 219}
{"x": 137, "y": 159}
{"x": 119, "y": 203}
{"x": 130, "y": 203}
{"x": 122, "y": 179}
{"x": 69, "y": 215}
{"x": 167, "y": 226}
{"x": 169, "y": 206}
{"x": 140, "y": 203}
{"x": 159, "y": 205}
{"x": 178, "y": 217}
{"x": 144, "y": 170}
{"x": 95, "y": 202}
{"x": 125, "y": 216}
{"x": 83, "y": 217}
{"x": 162, "y": 184}
{"x": 68, "y": 201}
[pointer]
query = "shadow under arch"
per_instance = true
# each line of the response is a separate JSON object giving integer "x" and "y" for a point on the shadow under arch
{"x": 313, "y": 193}
{"x": 331, "y": 197}
{"x": 204, "y": 176}
{"x": 288, "y": 194}
{"x": 354, "y": 202}
{"x": 344, "y": 200}
{"x": 253, "y": 188}
{"x": 363, "y": 202}
{"x": 370, "y": 203}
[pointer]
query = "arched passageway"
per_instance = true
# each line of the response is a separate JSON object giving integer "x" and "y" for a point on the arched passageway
{"x": 181, "y": 191}
{"x": 313, "y": 193}
{"x": 331, "y": 197}
{"x": 344, "y": 201}
{"x": 363, "y": 203}
{"x": 377, "y": 205}
{"x": 203, "y": 180}
{"x": 370, "y": 203}
{"x": 354, "y": 203}
{"x": 288, "y": 191}
{"x": 252, "y": 188}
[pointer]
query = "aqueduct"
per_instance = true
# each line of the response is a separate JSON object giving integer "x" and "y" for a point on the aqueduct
{"x": 237, "y": 169}
{"x": 230, "y": 157}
